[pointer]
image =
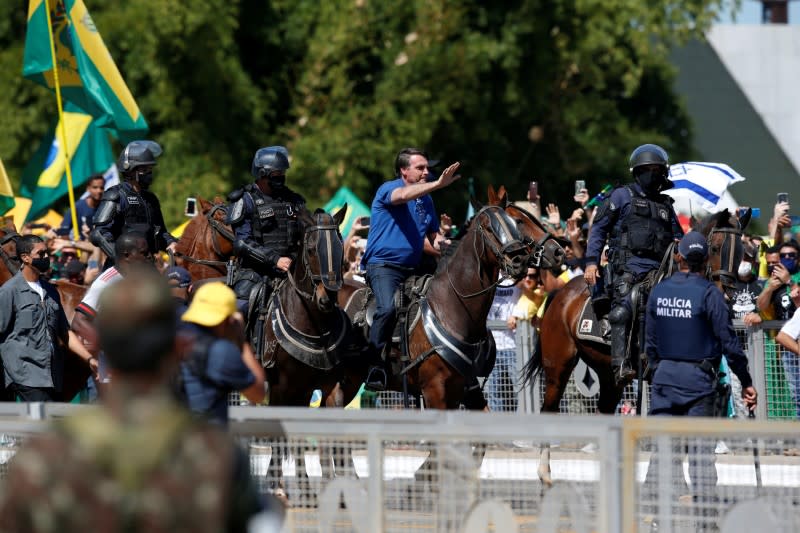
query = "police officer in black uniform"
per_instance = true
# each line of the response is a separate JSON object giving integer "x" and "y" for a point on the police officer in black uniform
{"x": 639, "y": 224}
{"x": 130, "y": 206}
{"x": 264, "y": 217}
{"x": 688, "y": 328}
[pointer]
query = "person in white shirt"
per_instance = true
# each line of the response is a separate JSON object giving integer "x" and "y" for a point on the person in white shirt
{"x": 788, "y": 338}
{"x": 500, "y": 384}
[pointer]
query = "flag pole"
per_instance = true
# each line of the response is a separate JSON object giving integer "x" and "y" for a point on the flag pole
{"x": 73, "y": 213}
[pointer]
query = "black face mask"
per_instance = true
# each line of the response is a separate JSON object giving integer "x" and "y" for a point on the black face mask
{"x": 145, "y": 179}
{"x": 650, "y": 181}
{"x": 277, "y": 182}
{"x": 42, "y": 264}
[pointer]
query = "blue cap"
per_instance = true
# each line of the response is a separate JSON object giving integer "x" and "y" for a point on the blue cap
{"x": 178, "y": 277}
{"x": 693, "y": 243}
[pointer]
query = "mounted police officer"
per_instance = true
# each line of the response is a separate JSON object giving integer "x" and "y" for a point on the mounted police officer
{"x": 130, "y": 206}
{"x": 264, "y": 217}
{"x": 639, "y": 224}
{"x": 688, "y": 328}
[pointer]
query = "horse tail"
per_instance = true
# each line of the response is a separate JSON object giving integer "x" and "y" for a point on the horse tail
{"x": 534, "y": 364}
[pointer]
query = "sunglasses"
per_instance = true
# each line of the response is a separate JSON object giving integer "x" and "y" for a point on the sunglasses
{"x": 789, "y": 255}
{"x": 531, "y": 276}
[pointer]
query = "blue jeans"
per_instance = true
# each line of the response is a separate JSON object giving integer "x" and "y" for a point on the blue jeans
{"x": 791, "y": 367}
{"x": 384, "y": 279}
{"x": 500, "y": 385}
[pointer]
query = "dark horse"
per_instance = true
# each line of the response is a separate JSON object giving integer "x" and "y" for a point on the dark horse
{"x": 559, "y": 348}
{"x": 447, "y": 325}
{"x": 207, "y": 242}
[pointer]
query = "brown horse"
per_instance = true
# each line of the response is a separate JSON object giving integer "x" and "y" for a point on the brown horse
{"x": 447, "y": 332}
{"x": 207, "y": 242}
{"x": 559, "y": 348}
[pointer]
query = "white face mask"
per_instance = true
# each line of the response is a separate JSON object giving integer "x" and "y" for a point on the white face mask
{"x": 745, "y": 268}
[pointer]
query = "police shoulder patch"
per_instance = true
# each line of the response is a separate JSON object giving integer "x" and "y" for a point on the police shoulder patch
{"x": 237, "y": 210}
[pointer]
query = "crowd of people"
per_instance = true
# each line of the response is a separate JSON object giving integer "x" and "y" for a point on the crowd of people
{"x": 615, "y": 240}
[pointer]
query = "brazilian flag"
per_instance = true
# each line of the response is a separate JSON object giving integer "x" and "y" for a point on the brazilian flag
{"x": 6, "y": 194}
{"x": 88, "y": 76}
{"x": 44, "y": 179}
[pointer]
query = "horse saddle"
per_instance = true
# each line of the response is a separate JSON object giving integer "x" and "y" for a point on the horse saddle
{"x": 590, "y": 327}
{"x": 362, "y": 304}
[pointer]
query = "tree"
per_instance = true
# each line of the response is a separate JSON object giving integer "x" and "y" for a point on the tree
{"x": 551, "y": 90}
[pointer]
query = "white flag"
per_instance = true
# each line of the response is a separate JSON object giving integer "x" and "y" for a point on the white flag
{"x": 704, "y": 183}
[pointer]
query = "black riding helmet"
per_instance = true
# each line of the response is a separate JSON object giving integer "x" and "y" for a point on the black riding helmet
{"x": 138, "y": 154}
{"x": 648, "y": 155}
{"x": 269, "y": 160}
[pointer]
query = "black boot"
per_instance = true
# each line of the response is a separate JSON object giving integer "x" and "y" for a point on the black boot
{"x": 376, "y": 379}
{"x": 620, "y": 366}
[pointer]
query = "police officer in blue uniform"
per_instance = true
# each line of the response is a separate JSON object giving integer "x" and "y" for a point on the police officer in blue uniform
{"x": 130, "y": 207}
{"x": 639, "y": 224}
{"x": 688, "y": 328}
{"x": 264, "y": 218}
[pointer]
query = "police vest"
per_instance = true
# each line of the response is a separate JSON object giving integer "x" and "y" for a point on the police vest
{"x": 682, "y": 325}
{"x": 137, "y": 217}
{"x": 274, "y": 221}
{"x": 646, "y": 230}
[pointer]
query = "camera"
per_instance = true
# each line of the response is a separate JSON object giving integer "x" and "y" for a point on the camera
{"x": 191, "y": 207}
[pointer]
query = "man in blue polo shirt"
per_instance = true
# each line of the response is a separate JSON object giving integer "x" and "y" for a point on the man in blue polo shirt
{"x": 402, "y": 219}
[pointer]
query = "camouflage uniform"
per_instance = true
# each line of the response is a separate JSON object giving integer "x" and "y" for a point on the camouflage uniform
{"x": 151, "y": 468}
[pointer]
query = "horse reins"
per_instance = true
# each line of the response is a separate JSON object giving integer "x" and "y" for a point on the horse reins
{"x": 537, "y": 254}
{"x": 219, "y": 228}
{"x": 500, "y": 253}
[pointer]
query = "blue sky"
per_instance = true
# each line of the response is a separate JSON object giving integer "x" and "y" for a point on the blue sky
{"x": 750, "y": 13}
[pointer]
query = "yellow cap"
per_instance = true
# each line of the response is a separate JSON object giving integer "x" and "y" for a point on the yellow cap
{"x": 212, "y": 303}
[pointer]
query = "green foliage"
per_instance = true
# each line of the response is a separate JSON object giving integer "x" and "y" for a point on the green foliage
{"x": 551, "y": 90}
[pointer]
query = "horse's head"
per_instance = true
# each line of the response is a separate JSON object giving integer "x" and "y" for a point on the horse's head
{"x": 322, "y": 258}
{"x": 503, "y": 240}
{"x": 546, "y": 252}
{"x": 8, "y": 251}
{"x": 725, "y": 249}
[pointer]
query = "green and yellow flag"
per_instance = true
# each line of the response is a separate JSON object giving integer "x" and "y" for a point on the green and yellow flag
{"x": 6, "y": 193}
{"x": 88, "y": 76}
{"x": 44, "y": 179}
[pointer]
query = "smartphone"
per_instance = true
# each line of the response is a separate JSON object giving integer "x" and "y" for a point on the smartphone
{"x": 783, "y": 197}
{"x": 191, "y": 207}
{"x": 364, "y": 221}
{"x": 579, "y": 186}
{"x": 533, "y": 191}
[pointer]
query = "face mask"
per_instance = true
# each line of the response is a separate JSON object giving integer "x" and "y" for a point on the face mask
{"x": 42, "y": 264}
{"x": 790, "y": 264}
{"x": 277, "y": 182}
{"x": 745, "y": 268}
{"x": 145, "y": 179}
{"x": 650, "y": 181}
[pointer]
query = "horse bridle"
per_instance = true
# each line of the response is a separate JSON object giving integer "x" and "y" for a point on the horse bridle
{"x": 509, "y": 266}
{"x": 11, "y": 263}
{"x": 328, "y": 273}
{"x": 219, "y": 229}
{"x": 728, "y": 252}
{"x": 538, "y": 245}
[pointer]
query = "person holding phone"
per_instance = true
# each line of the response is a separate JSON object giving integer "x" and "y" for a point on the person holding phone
{"x": 638, "y": 223}
{"x": 403, "y": 219}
